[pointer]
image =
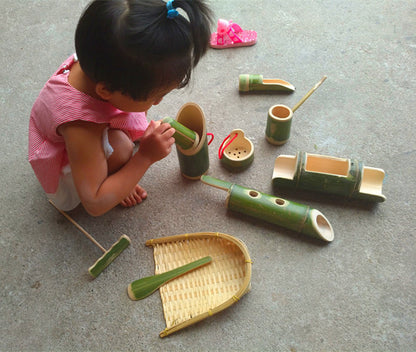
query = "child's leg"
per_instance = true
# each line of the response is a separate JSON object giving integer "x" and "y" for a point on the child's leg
{"x": 122, "y": 151}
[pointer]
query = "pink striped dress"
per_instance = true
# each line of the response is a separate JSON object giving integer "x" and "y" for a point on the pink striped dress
{"x": 59, "y": 102}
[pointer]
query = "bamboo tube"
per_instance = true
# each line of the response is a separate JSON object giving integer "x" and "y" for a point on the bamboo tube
{"x": 144, "y": 287}
{"x": 108, "y": 257}
{"x": 290, "y": 215}
{"x": 184, "y": 136}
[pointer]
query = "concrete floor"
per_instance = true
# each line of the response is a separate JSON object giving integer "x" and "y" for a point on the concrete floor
{"x": 354, "y": 294}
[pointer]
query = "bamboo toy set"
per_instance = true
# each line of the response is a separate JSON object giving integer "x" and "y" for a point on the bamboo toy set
{"x": 200, "y": 274}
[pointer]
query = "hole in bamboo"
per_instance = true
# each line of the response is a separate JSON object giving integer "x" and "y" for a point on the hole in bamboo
{"x": 279, "y": 201}
{"x": 254, "y": 194}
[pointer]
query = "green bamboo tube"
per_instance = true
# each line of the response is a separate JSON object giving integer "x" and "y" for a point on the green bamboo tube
{"x": 348, "y": 178}
{"x": 279, "y": 122}
{"x": 144, "y": 287}
{"x": 184, "y": 137}
{"x": 290, "y": 215}
{"x": 194, "y": 161}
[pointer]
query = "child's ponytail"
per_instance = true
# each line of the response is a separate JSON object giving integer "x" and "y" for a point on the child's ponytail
{"x": 200, "y": 18}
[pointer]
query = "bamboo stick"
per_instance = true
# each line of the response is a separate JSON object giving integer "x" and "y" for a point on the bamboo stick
{"x": 307, "y": 95}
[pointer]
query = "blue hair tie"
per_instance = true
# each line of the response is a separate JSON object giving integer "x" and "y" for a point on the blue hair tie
{"x": 172, "y": 13}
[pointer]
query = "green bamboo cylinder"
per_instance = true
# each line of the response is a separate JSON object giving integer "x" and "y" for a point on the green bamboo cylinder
{"x": 344, "y": 177}
{"x": 293, "y": 216}
{"x": 279, "y": 122}
{"x": 184, "y": 137}
{"x": 193, "y": 161}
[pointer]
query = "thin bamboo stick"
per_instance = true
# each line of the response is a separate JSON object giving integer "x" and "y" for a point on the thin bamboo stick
{"x": 79, "y": 227}
{"x": 307, "y": 95}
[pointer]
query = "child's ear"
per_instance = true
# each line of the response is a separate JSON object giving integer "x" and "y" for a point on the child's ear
{"x": 102, "y": 91}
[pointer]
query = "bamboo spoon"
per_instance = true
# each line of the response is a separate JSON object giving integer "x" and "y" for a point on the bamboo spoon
{"x": 144, "y": 287}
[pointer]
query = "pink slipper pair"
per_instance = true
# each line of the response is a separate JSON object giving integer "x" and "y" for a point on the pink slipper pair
{"x": 230, "y": 35}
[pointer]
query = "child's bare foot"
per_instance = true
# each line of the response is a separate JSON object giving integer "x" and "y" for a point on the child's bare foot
{"x": 137, "y": 195}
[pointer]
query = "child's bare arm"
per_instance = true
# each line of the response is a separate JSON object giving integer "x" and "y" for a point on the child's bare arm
{"x": 98, "y": 191}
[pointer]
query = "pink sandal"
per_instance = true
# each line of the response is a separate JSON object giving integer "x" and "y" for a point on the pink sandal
{"x": 230, "y": 35}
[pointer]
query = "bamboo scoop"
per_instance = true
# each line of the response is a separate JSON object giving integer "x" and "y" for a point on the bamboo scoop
{"x": 144, "y": 287}
{"x": 307, "y": 95}
{"x": 109, "y": 255}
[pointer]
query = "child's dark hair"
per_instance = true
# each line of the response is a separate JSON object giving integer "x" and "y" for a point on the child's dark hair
{"x": 133, "y": 47}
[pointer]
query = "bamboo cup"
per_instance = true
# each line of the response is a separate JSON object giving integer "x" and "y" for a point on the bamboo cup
{"x": 279, "y": 121}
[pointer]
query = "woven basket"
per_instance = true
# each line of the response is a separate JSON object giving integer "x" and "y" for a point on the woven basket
{"x": 207, "y": 290}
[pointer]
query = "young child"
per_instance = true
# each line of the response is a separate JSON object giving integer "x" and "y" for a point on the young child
{"x": 131, "y": 53}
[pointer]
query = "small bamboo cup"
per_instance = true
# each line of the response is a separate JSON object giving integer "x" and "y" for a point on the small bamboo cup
{"x": 279, "y": 121}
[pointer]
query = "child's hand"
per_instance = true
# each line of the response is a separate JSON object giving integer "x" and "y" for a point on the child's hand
{"x": 156, "y": 142}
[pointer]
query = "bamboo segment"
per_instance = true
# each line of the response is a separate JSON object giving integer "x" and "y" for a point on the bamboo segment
{"x": 144, "y": 287}
{"x": 344, "y": 177}
{"x": 108, "y": 257}
{"x": 290, "y": 215}
{"x": 184, "y": 136}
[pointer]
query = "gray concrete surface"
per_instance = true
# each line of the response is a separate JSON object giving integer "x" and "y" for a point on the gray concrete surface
{"x": 355, "y": 294}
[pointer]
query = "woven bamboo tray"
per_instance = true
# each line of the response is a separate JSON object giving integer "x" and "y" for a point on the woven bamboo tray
{"x": 207, "y": 290}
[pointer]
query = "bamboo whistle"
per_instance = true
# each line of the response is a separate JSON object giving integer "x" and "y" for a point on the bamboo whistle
{"x": 109, "y": 255}
{"x": 290, "y": 215}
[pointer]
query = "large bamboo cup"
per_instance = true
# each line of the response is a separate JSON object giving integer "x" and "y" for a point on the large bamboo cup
{"x": 290, "y": 215}
{"x": 193, "y": 161}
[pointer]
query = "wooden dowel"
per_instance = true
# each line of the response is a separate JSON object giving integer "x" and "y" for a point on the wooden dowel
{"x": 92, "y": 239}
{"x": 309, "y": 94}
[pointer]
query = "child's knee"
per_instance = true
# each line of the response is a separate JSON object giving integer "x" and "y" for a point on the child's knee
{"x": 122, "y": 149}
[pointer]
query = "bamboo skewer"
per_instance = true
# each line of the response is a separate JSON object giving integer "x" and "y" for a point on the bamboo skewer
{"x": 109, "y": 255}
{"x": 307, "y": 95}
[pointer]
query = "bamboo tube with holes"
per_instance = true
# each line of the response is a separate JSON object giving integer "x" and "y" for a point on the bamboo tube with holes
{"x": 293, "y": 216}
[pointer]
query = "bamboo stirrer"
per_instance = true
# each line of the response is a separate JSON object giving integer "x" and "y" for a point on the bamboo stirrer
{"x": 307, "y": 95}
{"x": 109, "y": 255}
